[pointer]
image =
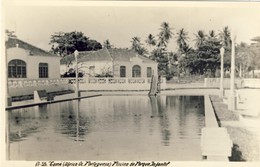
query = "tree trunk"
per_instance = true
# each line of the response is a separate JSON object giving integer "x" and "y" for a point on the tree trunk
{"x": 240, "y": 71}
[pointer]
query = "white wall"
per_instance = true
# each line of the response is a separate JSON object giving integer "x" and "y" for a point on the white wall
{"x": 240, "y": 83}
{"x": 135, "y": 61}
{"x": 100, "y": 66}
{"x": 118, "y": 84}
{"x": 32, "y": 63}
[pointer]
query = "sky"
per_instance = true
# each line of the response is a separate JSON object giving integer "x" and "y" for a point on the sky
{"x": 119, "y": 22}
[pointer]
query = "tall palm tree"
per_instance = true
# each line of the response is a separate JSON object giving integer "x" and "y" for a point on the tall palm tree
{"x": 182, "y": 38}
{"x": 165, "y": 34}
{"x": 225, "y": 37}
{"x": 107, "y": 44}
{"x": 137, "y": 46}
{"x": 200, "y": 38}
{"x": 136, "y": 43}
{"x": 212, "y": 34}
{"x": 150, "y": 40}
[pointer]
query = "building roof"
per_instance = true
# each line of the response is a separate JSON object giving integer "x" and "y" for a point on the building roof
{"x": 100, "y": 55}
{"x": 112, "y": 54}
{"x": 13, "y": 42}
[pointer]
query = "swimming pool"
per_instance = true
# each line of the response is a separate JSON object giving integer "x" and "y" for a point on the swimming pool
{"x": 109, "y": 128}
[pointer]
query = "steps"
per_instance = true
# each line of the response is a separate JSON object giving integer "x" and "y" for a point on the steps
{"x": 154, "y": 86}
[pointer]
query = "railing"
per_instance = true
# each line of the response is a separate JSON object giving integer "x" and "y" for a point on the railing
{"x": 116, "y": 83}
{"x": 251, "y": 83}
{"x": 240, "y": 83}
{"x": 113, "y": 80}
{"x": 21, "y": 83}
{"x": 88, "y": 83}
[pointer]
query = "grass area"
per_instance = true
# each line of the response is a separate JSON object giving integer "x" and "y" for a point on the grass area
{"x": 221, "y": 110}
{"x": 245, "y": 144}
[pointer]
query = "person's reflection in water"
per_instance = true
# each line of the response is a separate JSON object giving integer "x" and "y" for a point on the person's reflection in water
{"x": 158, "y": 111}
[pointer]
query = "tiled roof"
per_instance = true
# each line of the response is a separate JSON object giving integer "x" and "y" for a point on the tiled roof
{"x": 100, "y": 55}
{"x": 12, "y": 42}
{"x": 126, "y": 55}
{"x": 111, "y": 54}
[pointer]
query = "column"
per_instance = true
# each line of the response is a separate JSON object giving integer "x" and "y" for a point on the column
{"x": 221, "y": 86}
{"x": 232, "y": 94}
{"x": 77, "y": 80}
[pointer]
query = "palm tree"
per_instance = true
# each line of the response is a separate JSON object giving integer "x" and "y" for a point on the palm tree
{"x": 107, "y": 44}
{"x": 137, "y": 46}
{"x": 212, "y": 34}
{"x": 150, "y": 40}
{"x": 142, "y": 51}
{"x": 10, "y": 34}
{"x": 200, "y": 38}
{"x": 165, "y": 35}
{"x": 225, "y": 37}
{"x": 136, "y": 43}
{"x": 182, "y": 39}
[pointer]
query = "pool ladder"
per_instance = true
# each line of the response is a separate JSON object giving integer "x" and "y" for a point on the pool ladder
{"x": 154, "y": 86}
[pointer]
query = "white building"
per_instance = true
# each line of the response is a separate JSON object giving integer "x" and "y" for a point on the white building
{"x": 26, "y": 61}
{"x": 31, "y": 68}
{"x": 127, "y": 70}
{"x": 122, "y": 63}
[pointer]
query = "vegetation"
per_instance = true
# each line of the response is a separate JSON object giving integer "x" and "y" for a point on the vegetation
{"x": 203, "y": 59}
{"x": 138, "y": 47}
{"x": 150, "y": 41}
{"x": 71, "y": 73}
{"x": 65, "y": 44}
{"x": 107, "y": 44}
{"x": 10, "y": 34}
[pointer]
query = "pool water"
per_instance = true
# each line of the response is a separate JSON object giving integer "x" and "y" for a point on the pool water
{"x": 109, "y": 128}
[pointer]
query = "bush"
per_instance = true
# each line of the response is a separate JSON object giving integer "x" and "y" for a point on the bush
{"x": 169, "y": 76}
{"x": 72, "y": 75}
{"x": 107, "y": 75}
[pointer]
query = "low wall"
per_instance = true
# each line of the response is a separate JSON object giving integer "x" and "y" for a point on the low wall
{"x": 22, "y": 87}
{"x": 216, "y": 144}
{"x": 210, "y": 118}
{"x": 251, "y": 83}
{"x": 240, "y": 83}
{"x": 116, "y": 83}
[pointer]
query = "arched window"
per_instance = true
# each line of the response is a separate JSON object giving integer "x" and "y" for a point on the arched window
{"x": 136, "y": 72}
{"x": 17, "y": 69}
{"x": 43, "y": 70}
